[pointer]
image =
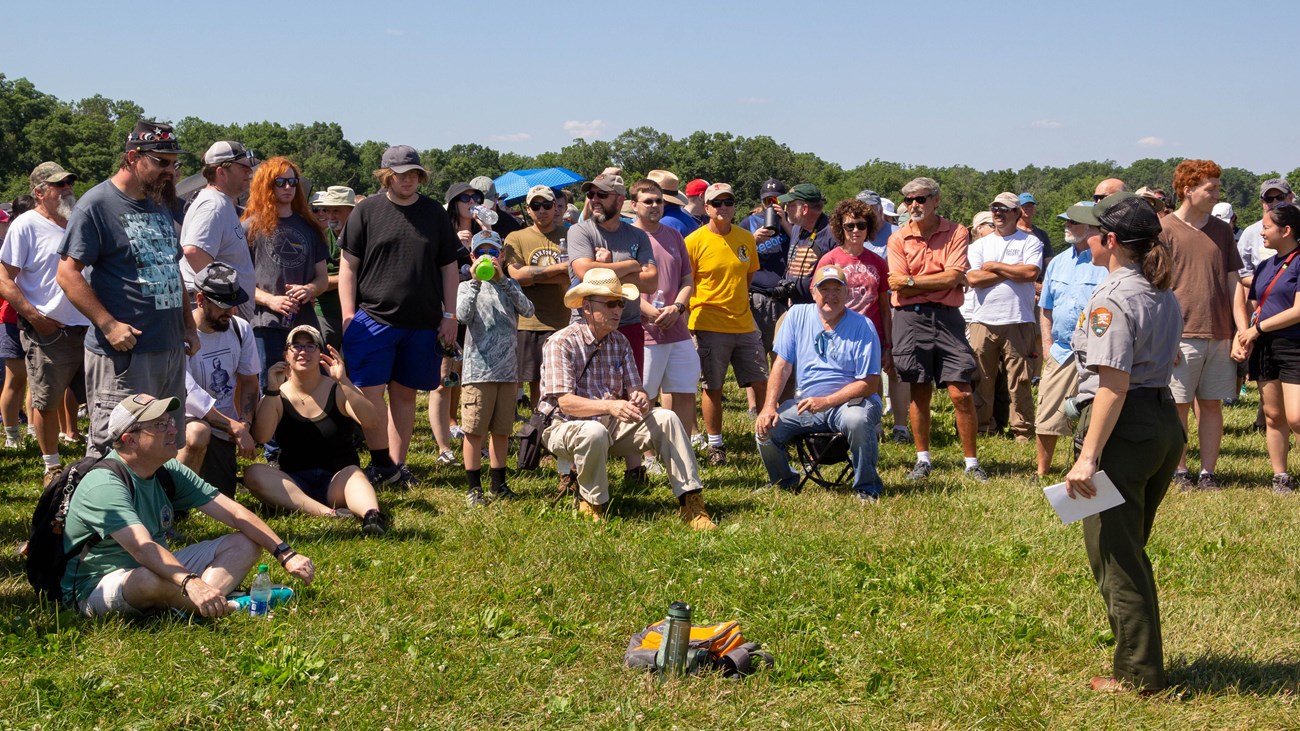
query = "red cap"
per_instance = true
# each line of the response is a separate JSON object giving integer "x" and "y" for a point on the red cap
{"x": 696, "y": 187}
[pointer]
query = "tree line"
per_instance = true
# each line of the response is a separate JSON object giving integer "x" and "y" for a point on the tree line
{"x": 86, "y": 137}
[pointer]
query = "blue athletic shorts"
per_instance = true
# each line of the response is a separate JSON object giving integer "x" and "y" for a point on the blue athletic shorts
{"x": 377, "y": 354}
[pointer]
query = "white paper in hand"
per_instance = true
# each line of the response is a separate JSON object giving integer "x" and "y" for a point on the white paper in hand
{"x": 1072, "y": 509}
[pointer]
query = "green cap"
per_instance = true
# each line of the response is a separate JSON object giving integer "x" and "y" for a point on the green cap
{"x": 806, "y": 192}
{"x": 50, "y": 172}
{"x": 261, "y": 568}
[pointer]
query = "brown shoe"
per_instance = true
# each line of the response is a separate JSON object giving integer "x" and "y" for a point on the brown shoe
{"x": 51, "y": 474}
{"x": 593, "y": 512}
{"x": 717, "y": 456}
{"x": 568, "y": 486}
{"x": 693, "y": 513}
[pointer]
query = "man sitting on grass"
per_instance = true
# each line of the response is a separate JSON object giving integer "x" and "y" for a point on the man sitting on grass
{"x": 834, "y": 354}
{"x": 131, "y": 570}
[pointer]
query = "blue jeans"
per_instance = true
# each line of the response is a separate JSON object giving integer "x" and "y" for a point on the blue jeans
{"x": 857, "y": 423}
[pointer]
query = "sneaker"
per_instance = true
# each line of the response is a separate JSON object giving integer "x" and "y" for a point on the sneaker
{"x": 867, "y": 498}
{"x": 654, "y": 467}
{"x": 447, "y": 457}
{"x": 717, "y": 456}
{"x": 11, "y": 443}
{"x": 1231, "y": 401}
{"x": 503, "y": 493}
{"x": 475, "y": 498}
{"x": 635, "y": 475}
{"x": 1282, "y": 485}
{"x": 1207, "y": 482}
{"x": 919, "y": 472}
{"x": 406, "y": 478}
{"x": 901, "y": 435}
{"x": 374, "y": 524}
{"x": 1182, "y": 480}
{"x": 280, "y": 594}
{"x": 977, "y": 474}
{"x": 379, "y": 477}
{"x": 693, "y": 513}
{"x": 698, "y": 441}
{"x": 457, "y": 433}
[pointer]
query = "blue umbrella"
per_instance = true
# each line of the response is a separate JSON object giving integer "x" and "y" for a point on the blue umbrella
{"x": 512, "y": 186}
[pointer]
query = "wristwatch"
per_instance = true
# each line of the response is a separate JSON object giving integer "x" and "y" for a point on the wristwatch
{"x": 680, "y": 307}
{"x": 911, "y": 281}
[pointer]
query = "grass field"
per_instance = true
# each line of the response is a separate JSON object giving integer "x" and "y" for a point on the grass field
{"x": 948, "y": 605}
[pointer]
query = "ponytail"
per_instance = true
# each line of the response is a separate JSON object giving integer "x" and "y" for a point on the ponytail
{"x": 1157, "y": 267}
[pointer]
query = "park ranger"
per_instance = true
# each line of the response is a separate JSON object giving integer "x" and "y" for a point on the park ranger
{"x": 1126, "y": 341}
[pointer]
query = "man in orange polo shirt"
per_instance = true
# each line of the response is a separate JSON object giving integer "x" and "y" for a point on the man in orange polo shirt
{"x": 927, "y": 270}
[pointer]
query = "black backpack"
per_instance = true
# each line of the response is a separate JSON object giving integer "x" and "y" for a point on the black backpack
{"x": 46, "y": 559}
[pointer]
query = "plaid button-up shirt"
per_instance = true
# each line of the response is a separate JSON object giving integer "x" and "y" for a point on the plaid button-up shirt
{"x": 612, "y": 373}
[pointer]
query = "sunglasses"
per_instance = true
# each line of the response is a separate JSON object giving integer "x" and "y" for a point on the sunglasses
{"x": 543, "y": 206}
{"x": 468, "y": 197}
{"x": 770, "y": 201}
{"x": 999, "y": 209}
{"x": 822, "y": 344}
{"x": 487, "y": 250}
{"x": 601, "y": 195}
{"x": 722, "y": 202}
{"x": 304, "y": 347}
{"x": 286, "y": 182}
{"x": 909, "y": 200}
{"x": 610, "y": 304}
{"x": 1270, "y": 199}
{"x": 652, "y": 202}
{"x": 61, "y": 184}
{"x": 163, "y": 163}
{"x": 856, "y": 225}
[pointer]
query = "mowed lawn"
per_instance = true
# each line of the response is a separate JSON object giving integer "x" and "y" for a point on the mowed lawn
{"x": 947, "y": 605}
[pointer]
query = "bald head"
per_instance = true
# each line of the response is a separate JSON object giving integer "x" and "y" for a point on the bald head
{"x": 1109, "y": 186}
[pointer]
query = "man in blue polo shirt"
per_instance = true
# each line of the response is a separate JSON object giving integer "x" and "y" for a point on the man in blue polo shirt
{"x": 834, "y": 354}
{"x": 1067, "y": 285}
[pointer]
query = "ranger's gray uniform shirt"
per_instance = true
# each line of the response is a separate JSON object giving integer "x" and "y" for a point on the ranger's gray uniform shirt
{"x": 1131, "y": 326}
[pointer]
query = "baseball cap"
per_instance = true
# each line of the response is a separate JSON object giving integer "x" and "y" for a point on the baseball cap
{"x": 50, "y": 172}
{"x": 484, "y": 183}
{"x": 402, "y": 159}
{"x": 1222, "y": 211}
{"x": 135, "y": 409}
{"x": 981, "y": 217}
{"x": 888, "y": 207}
{"x": 1128, "y": 215}
{"x": 219, "y": 283}
{"x": 830, "y": 271}
{"x": 227, "y": 151}
{"x": 1277, "y": 184}
{"x": 154, "y": 137}
{"x": 606, "y": 183}
{"x": 772, "y": 188}
{"x": 1086, "y": 204}
{"x": 4, "y": 216}
{"x": 806, "y": 192}
{"x": 870, "y": 197}
{"x": 696, "y": 187}
{"x": 484, "y": 238}
{"x": 1156, "y": 200}
{"x": 309, "y": 330}
{"x": 539, "y": 191}
{"x": 1027, "y": 198}
{"x": 1010, "y": 200}
{"x": 717, "y": 189}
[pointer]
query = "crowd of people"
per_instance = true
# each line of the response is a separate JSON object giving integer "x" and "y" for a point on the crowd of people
{"x": 257, "y": 315}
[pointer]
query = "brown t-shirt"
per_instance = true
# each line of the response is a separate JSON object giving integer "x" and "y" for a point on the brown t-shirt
{"x": 1203, "y": 259}
{"x": 529, "y": 247}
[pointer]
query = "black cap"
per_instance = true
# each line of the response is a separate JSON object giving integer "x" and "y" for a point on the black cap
{"x": 1127, "y": 214}
{"x": 771, "y": 189}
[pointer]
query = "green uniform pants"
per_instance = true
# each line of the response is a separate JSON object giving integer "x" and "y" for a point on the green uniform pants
{"x": 1140, "y": 458}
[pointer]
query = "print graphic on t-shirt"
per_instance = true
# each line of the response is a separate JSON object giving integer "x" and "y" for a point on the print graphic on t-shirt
{"x": 219, "y": 384}
{"x": 864, "y": 283}
{"x": 289, "y": 249}
{"x": 803, "y": 260}
{"x": 153, "y": 245}
{"x": 165, "y": 515}
{"x": 545, "y": 256}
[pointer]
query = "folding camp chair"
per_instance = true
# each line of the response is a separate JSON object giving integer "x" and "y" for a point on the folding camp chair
{"x": 823, "y": 450}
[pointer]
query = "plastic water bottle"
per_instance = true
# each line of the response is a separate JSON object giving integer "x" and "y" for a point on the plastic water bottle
{"x": 658, "y": 301}
{"x": 484, "y": 269}
{"x": 259, "y": 595}
{"x": 672, "y": 657}
{"x": 564, "y": 249}
{"x": 485, "y": 215}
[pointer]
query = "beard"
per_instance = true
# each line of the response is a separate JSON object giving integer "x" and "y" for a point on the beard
{"x": 601, "y": 216}
{"x": 1072, "y": 239}
{"x": 160, "y": 190}
{"x": 218, "y": 324}
{"x": 66, "y": 204}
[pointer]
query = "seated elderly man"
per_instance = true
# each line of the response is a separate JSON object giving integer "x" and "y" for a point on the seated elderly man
{"x": 834, "y": 353}
{"x": 129, "y": 569}
{"x": 590, "y": 377}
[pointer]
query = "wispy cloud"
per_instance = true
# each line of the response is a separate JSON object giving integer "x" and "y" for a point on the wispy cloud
{"x": 589, "y": 130}
{"x": 1046, "y": 124}
{"x": 394, "y": 32}
{"x": 1151, "y": 141}
{"x": 753, "y": 100}
{"x": 512, "y": 137}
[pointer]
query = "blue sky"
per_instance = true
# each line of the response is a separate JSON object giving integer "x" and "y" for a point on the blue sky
{"x": 988, "y": 85}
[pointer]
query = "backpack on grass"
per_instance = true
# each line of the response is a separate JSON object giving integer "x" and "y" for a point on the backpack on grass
{"x": 726, "y": 648}
{"x": 46, "y": 559}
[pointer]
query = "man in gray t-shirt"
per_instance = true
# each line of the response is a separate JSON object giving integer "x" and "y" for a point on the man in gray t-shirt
{"x": 212, "y": 230}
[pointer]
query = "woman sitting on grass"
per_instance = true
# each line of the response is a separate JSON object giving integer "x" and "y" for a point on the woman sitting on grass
{"x": 311, "y": 415}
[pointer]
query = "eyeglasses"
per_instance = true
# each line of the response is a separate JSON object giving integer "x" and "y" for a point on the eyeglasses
{"x": 468, "y": 197}
{"x": 909, "y": 200}
{"x": 652, "y": 202}
{"x": 600, "y": 194}
{"x": 61, "y": 184}
{"x": 163, "y": 163}
{"x": 822, "y": 343}
{"x": 610, "y": 304}
{"x": 722, "y": 202}
{"x": 1271, "y": 199}
{"x": 161, "y": 425}
{"x": 286, "y": 182}
{"x": 999, "y": 209}
{"x": 543, "y": 206}
{"x": 304, "y": 347}
{"x": 856, "y": 225}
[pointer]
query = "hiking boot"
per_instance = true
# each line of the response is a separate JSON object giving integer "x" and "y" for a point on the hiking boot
{"x": 1282, "y": 485}
{"x": 374, "y": 524}
{"x": 503, "y": 493}
{"x": 901, "y": 435}
{"x": 1207, "y": 482}
{"x": 977, "y": 474}
{"x": 693, "y": 513}
{"x": 379, "y": 477}
{"x": 635, "y": 475}
{"x": 51, "y": 474}
{"x": 1182, "y": 480}
{"x": 447, "y": 457}
{"x": 568, "y": 486}
{"x": 919, "y": 472}
{"x": 717, "y": 456}
{"x": 474, "y": 498}
{"x": 591, "y": 511}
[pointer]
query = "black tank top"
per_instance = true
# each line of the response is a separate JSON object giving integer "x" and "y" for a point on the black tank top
{"x": 321, "y": 443}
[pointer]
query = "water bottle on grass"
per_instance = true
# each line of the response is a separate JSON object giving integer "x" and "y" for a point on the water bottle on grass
{"x": 260, "y": 593}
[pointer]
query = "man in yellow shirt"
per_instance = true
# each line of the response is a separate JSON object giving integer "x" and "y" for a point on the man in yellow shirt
{"x": 724, "y": 260}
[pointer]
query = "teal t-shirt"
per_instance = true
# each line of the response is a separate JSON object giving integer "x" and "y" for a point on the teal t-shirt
{"x": 102, "y": 505}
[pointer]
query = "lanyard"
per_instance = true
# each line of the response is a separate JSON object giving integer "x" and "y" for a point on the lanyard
{"x": 1254, "y": 319}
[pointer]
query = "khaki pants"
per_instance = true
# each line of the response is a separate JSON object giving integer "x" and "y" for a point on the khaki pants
{"x": 1009, "y": 347}
{"x": 588, "y": 444}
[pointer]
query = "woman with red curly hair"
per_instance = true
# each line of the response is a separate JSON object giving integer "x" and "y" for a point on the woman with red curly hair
{"x": 288, "y": 257}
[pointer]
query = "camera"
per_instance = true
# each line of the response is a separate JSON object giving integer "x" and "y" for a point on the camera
{"x": 784, "y": 289}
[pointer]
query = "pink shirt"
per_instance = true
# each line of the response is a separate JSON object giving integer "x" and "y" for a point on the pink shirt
{"x": 672, "y": 262}
{"x": 868, "y": 282}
